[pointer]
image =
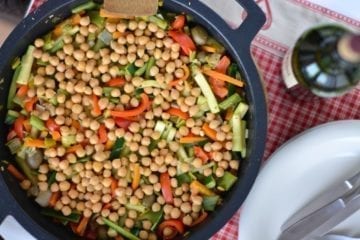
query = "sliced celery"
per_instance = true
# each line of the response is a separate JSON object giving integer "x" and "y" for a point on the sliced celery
{"x": 83, "y": 7}
{"x": 120, "y": 230}
{"x": 230, "y": 101}
{"x": 12, "y": 89}
{"x": 241, "y": 110}
{"x": 26, "y": 65}
{"x": 205, "y": 88}
{"x": 37, "y": 123}
{"x": 226, "y": 181}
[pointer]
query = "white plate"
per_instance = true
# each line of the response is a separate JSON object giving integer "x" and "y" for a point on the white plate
{"x": 296, "y": 173}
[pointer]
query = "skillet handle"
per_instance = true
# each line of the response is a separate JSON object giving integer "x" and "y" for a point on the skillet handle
{"x": 253, "y": 22}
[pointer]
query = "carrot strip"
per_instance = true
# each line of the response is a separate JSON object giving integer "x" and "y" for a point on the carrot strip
{"x": 186, "y": 73}
{"x": 37, "y": 143}
{"x": 102, "y": 134}
{"x": 229, "y": 114}
{"x": 191, "y": 139}
{"x": 80, "y": 230}
{"x": 23, "y": 89}
{"x": 107, "y": 206}
{"x": 109, "y": 144}
{"x": 211, "y": 133}
{"x": 114, "y": 185}
{"x": 58, "y": 31}
{"x": 75, "y": 124}
{"x": 208, "y": 49}
{"x": 200, "y": 153}
{"x": 56, "y": 135}
{"x": 13, "y": 171}
{"x": 174, "y": 83}
{"x": 116, "y": 34}
{"x": 178, "y": 113}
{"x": 223, "y": 77}
{"x": 75, "y": 20}
{"x": 136, "y": 177}
{"x": 11, "y": 135}
{"x": 29, "y": 105}
{"x": 54, "y": 198}
{"x": 96, "y": 107}
{"x": 74, "y": 148}
{"x": 179, "y": 22}
{"x": 145, "y": 102}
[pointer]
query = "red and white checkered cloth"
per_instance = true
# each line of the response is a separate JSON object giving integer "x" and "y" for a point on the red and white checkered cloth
{"x": 287, "y": 115}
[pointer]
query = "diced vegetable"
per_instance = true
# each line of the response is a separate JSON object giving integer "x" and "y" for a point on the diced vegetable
{"x": 179, "y": 22}
{"x": 209, "y": 181}
{"x": 26, "y": 169}
{"x": 138, "y": 207}
{"x": 210, "y": 202}
{"x": 191, "y": 140}
{"x": 199, "y": 35}
{"x": 172, "y": 223}
{"x": 161, "y": 23}
{"x": 37, "y": 123}
{"x": 13, "y": 171}
{"x": 120, "y": 230}
{"x": 18, "y": 127}
{"x": 196, "y": 185}
{"x": 136, "y": 176}
{"x": 223, "y": 77}
{"x": 11, "y": 116}
{"x": 152, "y": 83}
{"x": 166, "y": 187}
{"x": 186, "y": 43}
{"x": 73, "y": 217}
{"x": 211, "y": 133}
{"x": 205, "y": 88}
{"x": 43, "y": 198}
{"x": 117, "y": 148}
{"x": 141, "y": 70}
{"x": 105, "y": 37}
{"x": 136, "y": 111}
{"x": 116, "y": 82}
{"x": 96, "y": 19}
{"x": 68, "y": 140}
{"x": 26, "y": 65}
{"x": 241, "y": 110}
{"x": 200, "y": 153}
{"x": 183, "y": 178}
{"x": 153, "y": 217}
{"x": 230, "y": 101}
{"x": 80, "y": 229}
{"x": 226, "y": 181}
{"x": 12, "y": 89}
{"x": 130, "y": 69}
{"x": 149, "y": 65}
{"x": 84, "y": 7}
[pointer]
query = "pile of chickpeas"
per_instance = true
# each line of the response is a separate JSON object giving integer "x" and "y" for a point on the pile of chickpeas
{"x": 76, "y": 72}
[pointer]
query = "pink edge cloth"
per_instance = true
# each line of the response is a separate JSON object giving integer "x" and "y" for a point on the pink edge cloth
{"x": 287, "y": 116}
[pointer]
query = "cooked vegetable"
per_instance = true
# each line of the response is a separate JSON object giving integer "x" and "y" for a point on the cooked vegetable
{"x": 26, "y": 65}
{"x": 120, "y": 230}
{"x": 124, "y": 127}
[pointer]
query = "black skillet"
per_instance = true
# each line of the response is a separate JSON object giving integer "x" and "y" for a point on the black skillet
{"x": 13, "y": 200}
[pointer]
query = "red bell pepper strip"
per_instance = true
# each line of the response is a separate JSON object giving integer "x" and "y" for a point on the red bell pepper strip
{"x": 178, "y": 113}
{"x": 19, "y": 127}
{"x": 102, "y": 134}
{"x": 219, "y": 87}
{"x": 29, "y": 105}
{"x": 116, "y": 82}
{"x": 172, "y": 223}
{"x": 166, "y": 187}
{"x": 185, "y": 41}
{"x": 123, "y": 123}
{"x": 145, "y": 102}
{"x": 51, "y": 125}
{"x": 179, "y": 22}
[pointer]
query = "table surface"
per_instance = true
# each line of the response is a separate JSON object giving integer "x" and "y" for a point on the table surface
{"x": 288, "y": 116}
